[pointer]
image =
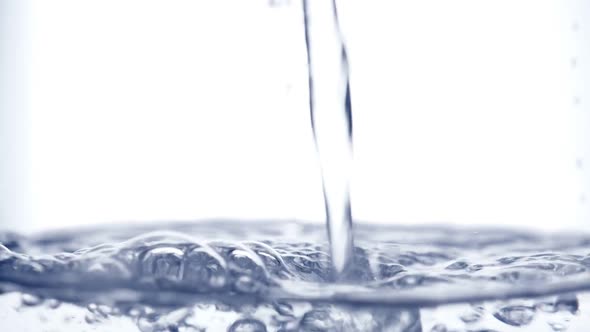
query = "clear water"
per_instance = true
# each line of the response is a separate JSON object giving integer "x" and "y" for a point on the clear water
{"x": 276, "y": 276}
{"x": 331, "y": 117}
{"x": 280, "y": 276}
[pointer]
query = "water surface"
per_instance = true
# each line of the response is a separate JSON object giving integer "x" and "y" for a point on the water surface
{"x": 276, "y": 276}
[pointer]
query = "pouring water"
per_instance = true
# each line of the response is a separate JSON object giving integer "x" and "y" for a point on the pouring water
{"x": 235, "y": 275}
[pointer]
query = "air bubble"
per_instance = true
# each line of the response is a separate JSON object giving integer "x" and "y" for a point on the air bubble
{"x": 204, "y": 269}
{"x": 439, "y": 328}
{"x": 317, "y": 320}
{"x": 246, "y": 261}
{"x": 247, "y": 325}
{"x": 471, "y": 317}
{"x": 567, "y": 303}
{"x": 308, "y": 267}
{"x": 247, "y": 270}
{"x": 457, "y": 266}
{"x": 302, "y": 263}
{"x": 557, "y": 327}
{"x": 272, "y": 259}
{"x": 474, "y": 268}
{"x": 162, "y": 263}
{"x": 30, "y": 300}
{"x": 283, "y": 308}
{"x": 246, "y": 284}
{"x": 516, "y": 315}
{"x": 53, "y": 303}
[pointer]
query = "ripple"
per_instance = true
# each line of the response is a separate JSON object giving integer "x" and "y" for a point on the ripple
{"x": 171, "y": 267}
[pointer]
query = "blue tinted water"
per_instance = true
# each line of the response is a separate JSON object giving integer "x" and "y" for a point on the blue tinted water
{"x": 276, "y": 276}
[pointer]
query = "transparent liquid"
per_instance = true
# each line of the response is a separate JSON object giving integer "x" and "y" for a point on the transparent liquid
{"x": 331, "y": 117}
{"x": 276, "y": 276}
{"x": 269, "y": 276}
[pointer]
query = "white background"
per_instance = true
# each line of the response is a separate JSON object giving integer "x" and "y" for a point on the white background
{"x": 465, "y": 112}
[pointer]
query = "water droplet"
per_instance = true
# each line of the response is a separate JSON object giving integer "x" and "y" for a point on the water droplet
{"x": 516, "y": 315}
{"x": 247, "y": 325}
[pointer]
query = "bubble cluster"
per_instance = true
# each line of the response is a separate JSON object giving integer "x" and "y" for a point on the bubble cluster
{"x": 252, "y": 285}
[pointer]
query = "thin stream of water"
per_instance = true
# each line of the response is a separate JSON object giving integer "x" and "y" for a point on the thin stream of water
{"x": 331, "y": 116}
